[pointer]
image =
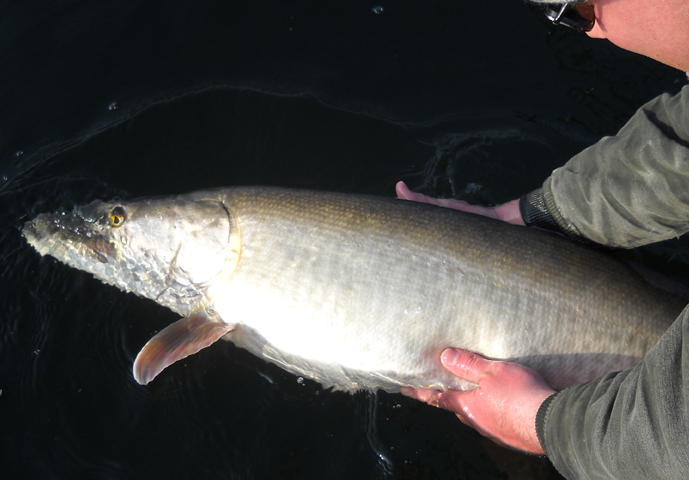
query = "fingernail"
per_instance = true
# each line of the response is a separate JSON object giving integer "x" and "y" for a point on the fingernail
{"x": 449, "y": 357}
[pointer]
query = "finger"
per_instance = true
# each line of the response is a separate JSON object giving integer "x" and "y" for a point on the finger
{"x": 403, "y": 192}
{"x": 465, "y": 364}
{"x": 424, "y": 395}
{"x": 408, "y": 392}
{"x": 456, "y": 401}
{"x": 465, "y": 417}
{"x": 465, "y": 421}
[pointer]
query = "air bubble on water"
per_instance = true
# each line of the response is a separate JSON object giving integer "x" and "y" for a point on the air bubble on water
{"x": 377, "y": 9}
{"x": 19, "y": 153}
{"x": 112, "y": 106}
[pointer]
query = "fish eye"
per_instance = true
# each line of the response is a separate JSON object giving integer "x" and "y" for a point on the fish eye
{"x": 117, "y": 217}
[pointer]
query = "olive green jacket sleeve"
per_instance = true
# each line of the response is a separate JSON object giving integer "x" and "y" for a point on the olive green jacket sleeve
{"x": 629, "y": 425}
{"x": 627, "y": 190}
{"x": 630, "y": 189}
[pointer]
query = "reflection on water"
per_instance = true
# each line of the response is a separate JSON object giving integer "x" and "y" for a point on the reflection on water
{"x": 372, "y": 435}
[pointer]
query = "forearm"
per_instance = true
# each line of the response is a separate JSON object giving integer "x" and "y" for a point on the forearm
{"x": 630, "y": 189}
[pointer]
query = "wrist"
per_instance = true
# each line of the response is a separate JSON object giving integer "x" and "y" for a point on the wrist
{"x": 510, "y": 212}
{"x": 541, "y": 417}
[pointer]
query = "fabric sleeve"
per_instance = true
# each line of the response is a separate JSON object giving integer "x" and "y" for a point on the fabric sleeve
{"x": 630, "y": 189}
{"x": 626, "y": 425}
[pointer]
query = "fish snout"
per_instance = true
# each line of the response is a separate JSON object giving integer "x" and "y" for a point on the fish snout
{"x": 35, "y": 231}
{"x": 51, "y": 224}
{"x": 55, "y": 232}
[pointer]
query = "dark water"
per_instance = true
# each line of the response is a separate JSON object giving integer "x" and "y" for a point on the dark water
{"x": 479, "y": 101}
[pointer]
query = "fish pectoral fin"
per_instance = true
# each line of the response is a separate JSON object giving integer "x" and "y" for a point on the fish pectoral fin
{"x": 177, "y": 341}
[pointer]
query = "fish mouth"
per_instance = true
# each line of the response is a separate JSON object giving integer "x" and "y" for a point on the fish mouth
{"x": 56, "y": 234}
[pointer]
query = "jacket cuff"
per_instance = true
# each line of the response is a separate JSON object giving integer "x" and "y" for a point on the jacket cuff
{"x": 534, "y": 211}
{"x": 538, "y": 209}
{"x": 564, "y": 226}
{"x": 541, "y": 418}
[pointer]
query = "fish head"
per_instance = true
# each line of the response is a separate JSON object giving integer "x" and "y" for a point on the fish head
{"x": 167, "y": 249}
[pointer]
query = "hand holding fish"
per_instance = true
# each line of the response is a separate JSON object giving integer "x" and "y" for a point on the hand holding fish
{"x": 507, "y": 212}
{"x": 504, "y": 405}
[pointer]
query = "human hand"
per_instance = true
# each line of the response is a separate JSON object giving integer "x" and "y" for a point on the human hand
{"x": 502, "y": 407}
{"x": 507, "y": 212}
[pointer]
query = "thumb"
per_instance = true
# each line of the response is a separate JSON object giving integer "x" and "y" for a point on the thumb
{"x": 465, "y": 364}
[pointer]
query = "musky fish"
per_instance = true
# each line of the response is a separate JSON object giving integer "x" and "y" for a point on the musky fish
{"x": 360, "y": 292}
